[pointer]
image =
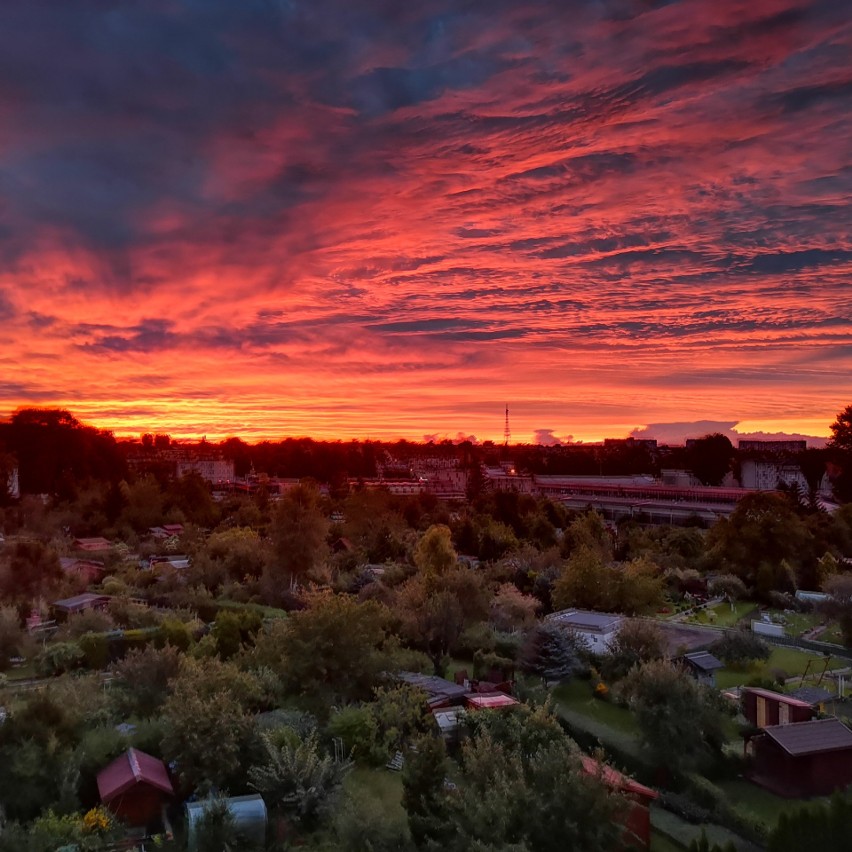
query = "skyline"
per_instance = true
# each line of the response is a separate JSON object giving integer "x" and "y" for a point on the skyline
{"x": 284, "y": 218}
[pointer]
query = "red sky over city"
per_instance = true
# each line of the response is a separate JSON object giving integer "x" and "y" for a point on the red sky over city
{"x": 383, "y": 219}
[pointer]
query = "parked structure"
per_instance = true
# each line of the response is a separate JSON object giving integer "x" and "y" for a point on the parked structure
{"x": 136, "y": 787}
{"x": 80, "y": 603}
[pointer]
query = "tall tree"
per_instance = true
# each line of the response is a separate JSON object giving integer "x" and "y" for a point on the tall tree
{"x": 299, "y": 530}
{"x": 710, "y": 458}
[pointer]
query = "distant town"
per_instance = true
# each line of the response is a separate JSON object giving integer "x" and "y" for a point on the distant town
{"x": 401, "y": 646}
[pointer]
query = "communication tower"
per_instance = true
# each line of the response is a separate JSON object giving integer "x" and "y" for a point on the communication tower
{"x": 506, "y": 432}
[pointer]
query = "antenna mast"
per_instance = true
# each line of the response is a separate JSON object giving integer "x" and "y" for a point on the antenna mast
{"x": 506, "y": 433}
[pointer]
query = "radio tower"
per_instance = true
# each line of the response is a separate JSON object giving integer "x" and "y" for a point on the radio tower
{"x": 506, "y": 433}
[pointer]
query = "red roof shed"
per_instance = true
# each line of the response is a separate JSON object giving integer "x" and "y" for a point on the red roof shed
{"x": 636, "y": 818}
{"x": 135, "y": 786}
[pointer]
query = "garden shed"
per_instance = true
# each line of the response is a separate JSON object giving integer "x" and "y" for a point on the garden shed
{"x": 249, "y": 813}
{"x": 135, "y": 787}
{"x": 764, "y": 708}
{"x": 805, "y": 759}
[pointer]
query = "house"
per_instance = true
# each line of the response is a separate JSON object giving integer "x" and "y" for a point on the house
{"x": 596, "y": 629}
{"x": 702, "y": 665}
{"x": 803, "y": 759}
{"x": 136, "y": 787}
{"x": 764, "y": 708}
{"x": 248, "y": 812}
{"x": 80, "y": 603}
{"x": 636, "y": 817}
{"x": 92, "y": 545}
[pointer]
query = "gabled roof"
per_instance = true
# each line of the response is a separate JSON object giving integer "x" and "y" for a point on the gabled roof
{"x": 87, "y": 599}
{"x": 812, "y": 695}
{"x": 704, "y": 660}
{"x": 811, "y": 737}
{"x": 132, "y": 768}
{"x": 434, "y": 687}
{"x": 775, "y": 696}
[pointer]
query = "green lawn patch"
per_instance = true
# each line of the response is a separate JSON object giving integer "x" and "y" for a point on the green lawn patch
{"x": 748, "y": 798}
{"x": 577, "y": 697}
{"x": 789, "y": 660}
{"x": 661, "y": 843}
{"x": 382, "y": 785}
{"x": 723, "y": 616}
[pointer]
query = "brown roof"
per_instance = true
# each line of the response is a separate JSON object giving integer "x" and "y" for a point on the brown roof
{"x": 132, "y": 768}
{"x": 811, "y": 737}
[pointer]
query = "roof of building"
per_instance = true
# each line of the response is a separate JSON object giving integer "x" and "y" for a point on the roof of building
{"x": 614, "y": 779}
{"x": 82, "y": 601}
{"x": 775, "y": 696}
{"x": 812, "y": 695}
{"x": 582, "y": 619}
{"x": 491, "y": 700}
{"x": 434, "y": 686}
{"x": 704, "y": 660}
{"x": 93, "y": 544}
{"x": 811, "y": 737}
{"x": 447, "y": 718}
{"x": 132, "y": 768}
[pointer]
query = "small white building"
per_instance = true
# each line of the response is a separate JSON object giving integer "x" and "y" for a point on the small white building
{"x": 596, "y": 629}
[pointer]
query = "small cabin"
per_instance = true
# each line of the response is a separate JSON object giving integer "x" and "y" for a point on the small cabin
{"x": 702, "y": 665}
{"x": 803, "y": 759}
{"x": 136, "y": 787}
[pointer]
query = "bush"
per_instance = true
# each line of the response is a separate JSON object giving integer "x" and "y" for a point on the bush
{"x": 356, "y": 726}
{"x": 95, "y": 648}
{"x": 740, "y": 648}
{"x": 477, "y": 637}
{"x": 59, "y": 658}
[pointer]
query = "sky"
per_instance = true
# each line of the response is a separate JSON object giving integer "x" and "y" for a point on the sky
{"x": 383, "y": 219}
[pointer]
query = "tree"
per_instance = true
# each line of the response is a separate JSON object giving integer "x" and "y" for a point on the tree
{"x": 636, "y": 642}
{"x": 522, "y": 786}
{"x": 584, "y": 582}
{"x": 740, "y": 648}
{"x": 816, "y": 826}
{"x": 299, "y": 530}
{"x": 839, "y": 603}
{"x": 511, "y": 609}
{"x": 681, "y": 721}
{"x": 764, "y": 529}
{"x": 210, "y": 704}
{"x": 336, "y": 650}
{"x": 710, "y": 458}
{"x": 589, "y": 531}
{"x": 12, "y": 636}
{"x": 728, "y": 586}
{"x": 33, "y": 570}
{"x": 841, "y": 431}
{"x": 435, "y": 554}
{"x": 552, "y": 653}
{"x": 144, "y": 675}
{"x": 423, "y": 794}
{"x": 432, "y": 620}
{"x": 297, "y": 778}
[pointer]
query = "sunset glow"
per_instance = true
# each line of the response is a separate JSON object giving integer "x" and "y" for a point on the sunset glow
{"x": 382, "y": 220}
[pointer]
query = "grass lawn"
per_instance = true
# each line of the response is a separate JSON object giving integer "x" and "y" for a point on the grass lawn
{"x": 790, "y": 660}
{"x": 661, "y": 843}
{"x": 382, "y": 785}
{"x": 577, "y": 696}
{"x": 748, "y": 798}
{"x": 724, "y": 616}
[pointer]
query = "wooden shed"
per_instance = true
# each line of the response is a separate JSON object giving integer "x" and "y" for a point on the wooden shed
{"x": 804, "y": 759}
{"x": 135, "y": 787}
{"x": 764, "y": 708}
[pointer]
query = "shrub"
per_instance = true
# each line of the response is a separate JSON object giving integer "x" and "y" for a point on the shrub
{"x": 59, "y": 658}
{"x": 95, "y": 648}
